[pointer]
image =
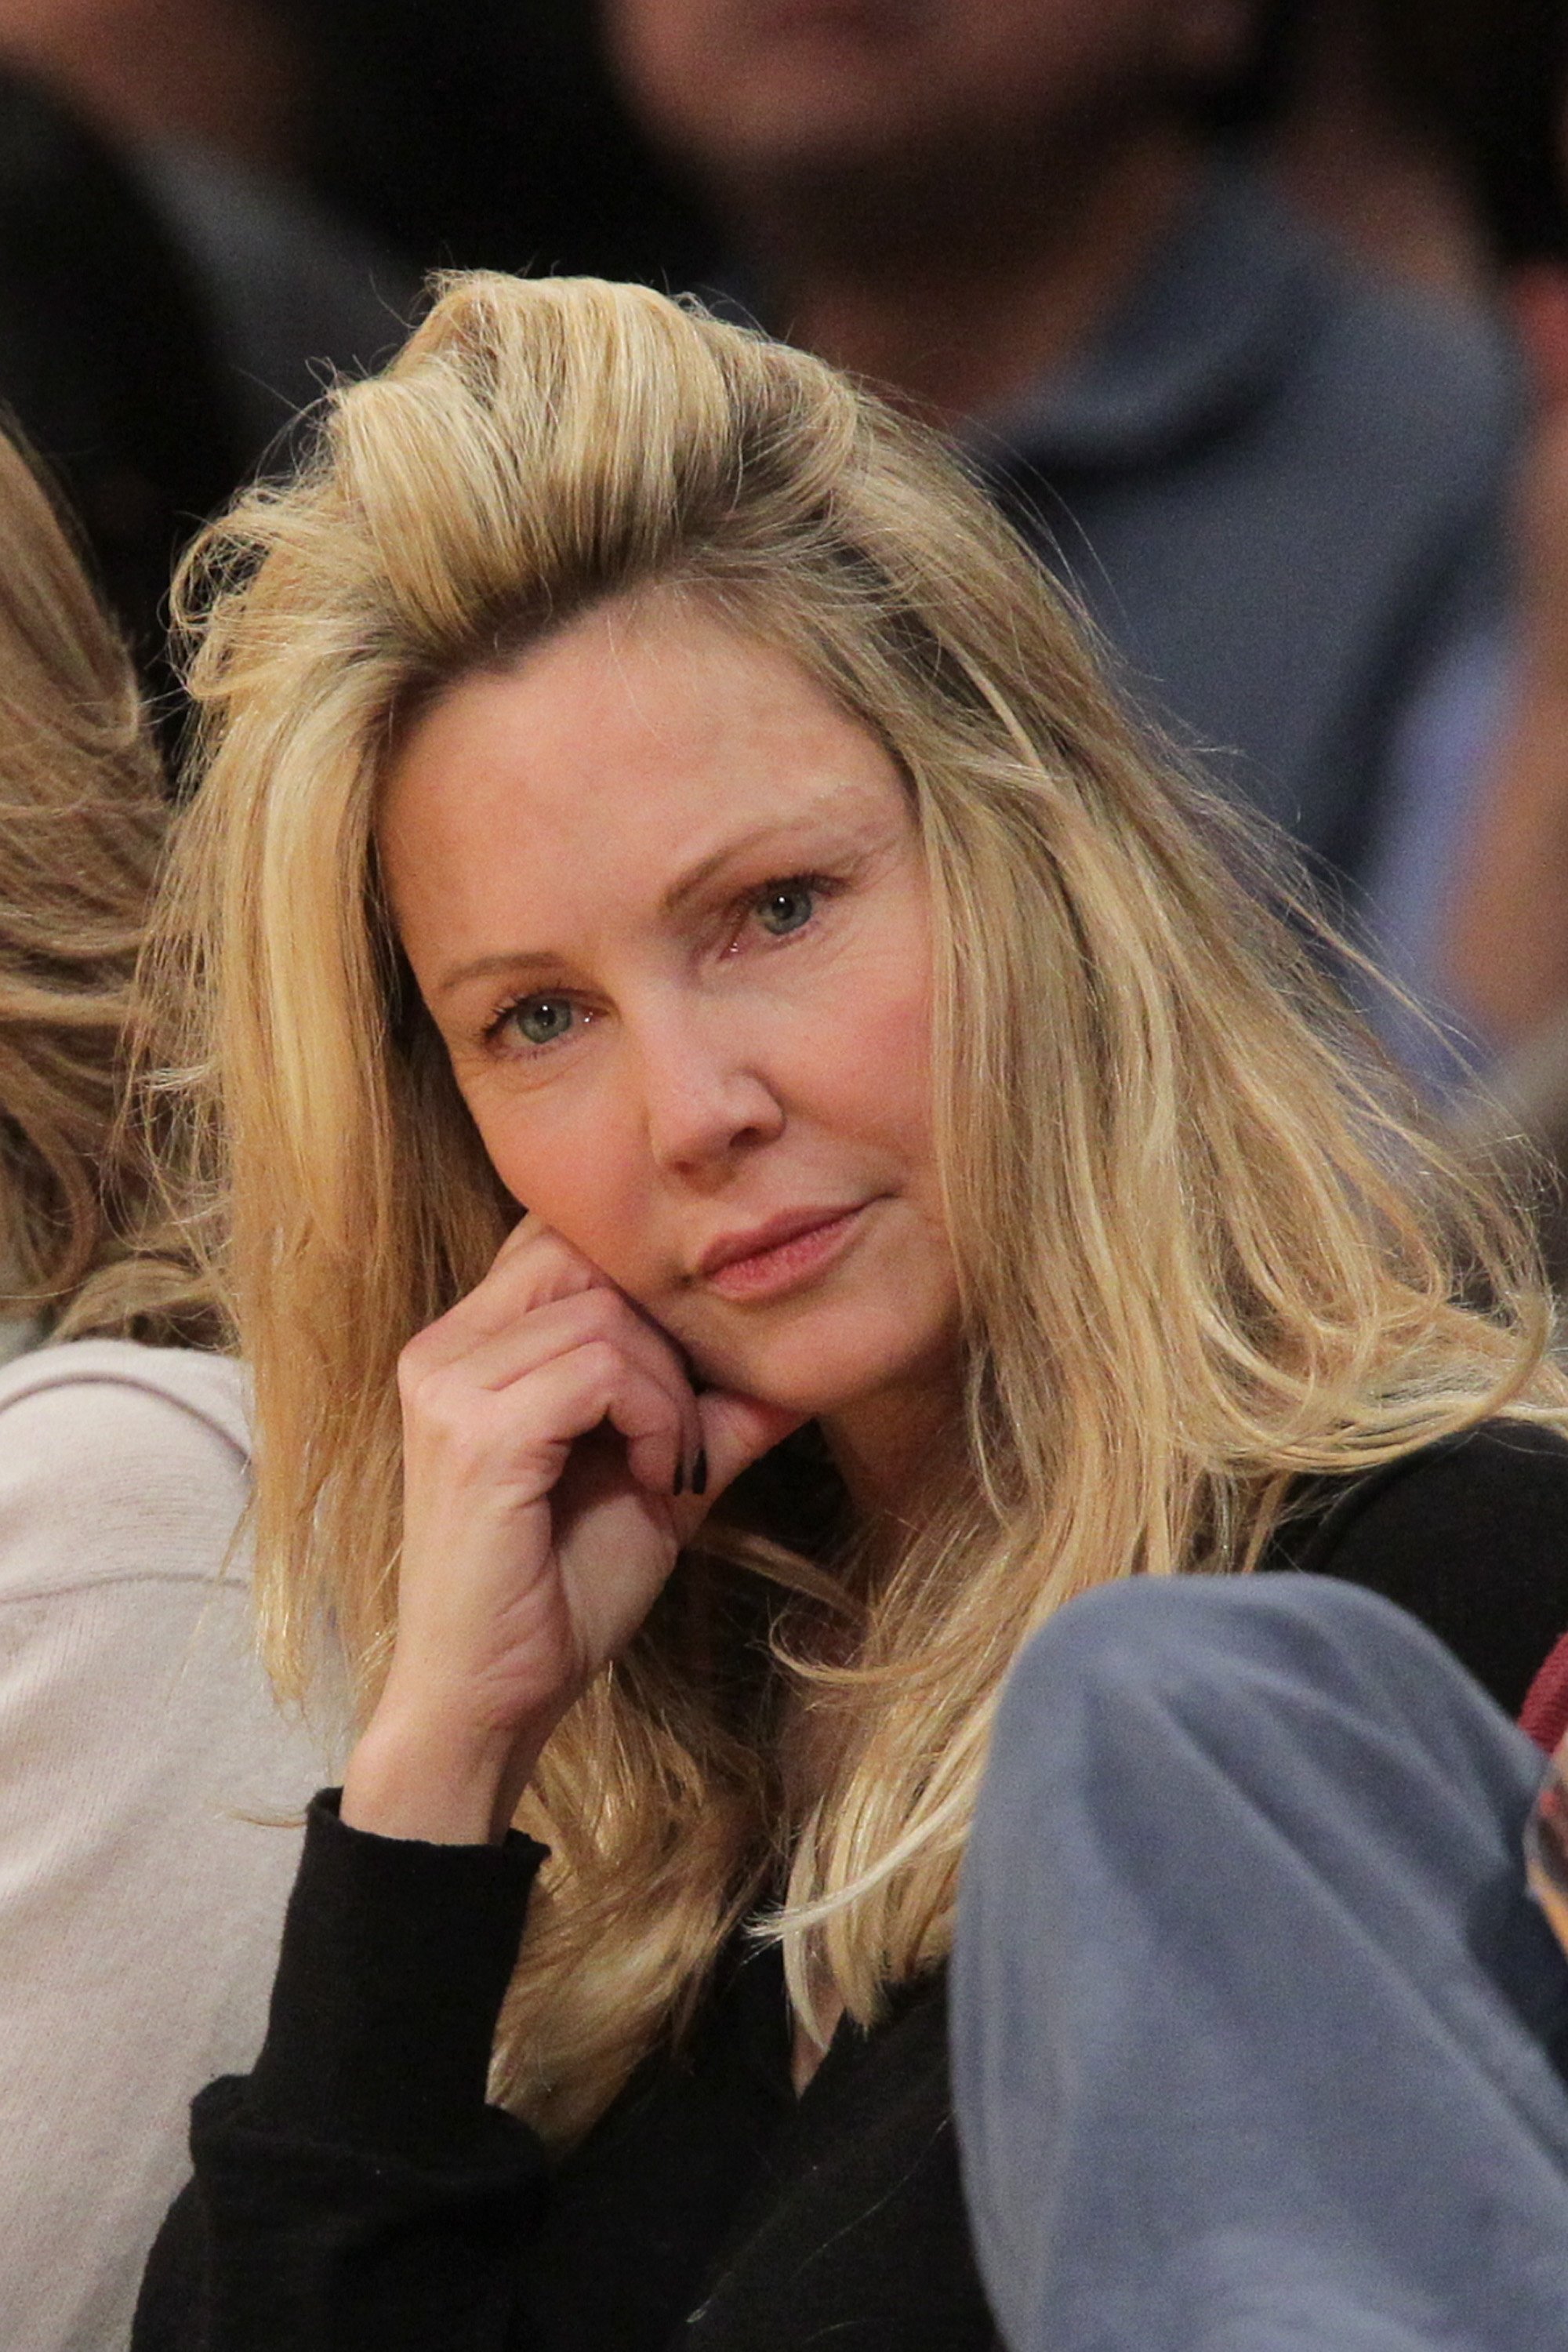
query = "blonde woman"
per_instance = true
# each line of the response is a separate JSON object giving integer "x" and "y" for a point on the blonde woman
{"x": 765, "y": 1149}
{"x": 137, "y": 1907}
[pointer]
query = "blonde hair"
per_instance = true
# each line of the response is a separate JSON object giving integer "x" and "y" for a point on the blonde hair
{"x": 1200, "y": 1251}
{"x": 82, "y": 821}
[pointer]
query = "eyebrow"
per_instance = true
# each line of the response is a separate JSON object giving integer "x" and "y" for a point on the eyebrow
{"x": 490, "y": 967}
{"x": 520, "y": 962}
{"x": 695, "y": 880}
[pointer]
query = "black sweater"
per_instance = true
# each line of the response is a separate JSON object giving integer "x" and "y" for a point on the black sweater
{"x": 356, "y": 2194}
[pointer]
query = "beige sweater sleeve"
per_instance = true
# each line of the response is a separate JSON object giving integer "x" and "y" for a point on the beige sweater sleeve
{"x": 139, "y": 1907}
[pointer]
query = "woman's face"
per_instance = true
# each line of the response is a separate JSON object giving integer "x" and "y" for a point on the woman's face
{"x": 668, "y": 908}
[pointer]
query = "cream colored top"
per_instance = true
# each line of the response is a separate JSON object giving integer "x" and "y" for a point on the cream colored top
{"x": 139, "y": 1910}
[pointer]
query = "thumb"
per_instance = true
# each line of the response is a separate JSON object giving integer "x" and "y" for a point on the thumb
{"x": 736, "y": 1431}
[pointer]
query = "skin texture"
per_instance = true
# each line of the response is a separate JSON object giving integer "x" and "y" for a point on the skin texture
{"x": 224, "y": 74}
{"x": 668, "y": 909}
{"x": 755, "y": 89}
{"x": 1506, "y": 949}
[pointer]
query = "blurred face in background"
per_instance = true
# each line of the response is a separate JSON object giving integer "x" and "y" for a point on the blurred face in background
{"x": 758, "y": 94}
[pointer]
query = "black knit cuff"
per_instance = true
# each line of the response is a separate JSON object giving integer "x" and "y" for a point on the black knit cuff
{"x": 395, "y": 1958}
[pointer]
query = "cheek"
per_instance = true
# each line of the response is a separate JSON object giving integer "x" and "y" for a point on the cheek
{"x": 879, "y": 1070}
{"x": 568, "y": 1167}
{"x": 883, "y": 1079}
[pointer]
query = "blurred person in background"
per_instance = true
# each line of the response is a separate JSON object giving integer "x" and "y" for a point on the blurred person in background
{"x": 168, "y": 301}
{"x": 1424, "y": 133}
{"x": 138, "y": 1904}
{"x": 1436, "y": 136}
{"x": 226, "y": 78}
{"x": 1276, "y": 481}
{"x": 488, "y": 134}
{"x": 1507, "y": 924}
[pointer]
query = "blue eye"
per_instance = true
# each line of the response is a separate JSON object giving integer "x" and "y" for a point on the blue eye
{"x": 786, "y": 907}
{"x": 542, "y": 1020}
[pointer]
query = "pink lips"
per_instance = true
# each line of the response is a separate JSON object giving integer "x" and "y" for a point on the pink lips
{"x": 777, "y": 1256}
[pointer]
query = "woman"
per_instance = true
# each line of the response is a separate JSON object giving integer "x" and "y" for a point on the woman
{"x": 137, "y": 1907}
{"x": 643, "y": 781}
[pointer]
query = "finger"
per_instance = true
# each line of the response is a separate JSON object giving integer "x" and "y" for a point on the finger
{"x": 527, "y": 1233}
{"x": 545, "y": 1333}
{"x": 540, "y": 1270}
{"x": 542, "y": 1333}
{"x": 640, "y": 1408}
{"x": 557, "y": 1269}
{"x": 736, "y": 1431}
{"x": 534, "y": 1258}
{"x": 523, "y": 1437}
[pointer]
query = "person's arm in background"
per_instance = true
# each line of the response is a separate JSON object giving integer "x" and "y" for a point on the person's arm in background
{"x": 1256, "y": 2037}
{"x": 1506, "y": 954}
{"x": 139, "y": 1908}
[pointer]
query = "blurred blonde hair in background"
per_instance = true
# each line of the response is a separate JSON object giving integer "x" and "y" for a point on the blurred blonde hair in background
{"x": 82, "y": 822}
{"x": 1201, "y": 1247}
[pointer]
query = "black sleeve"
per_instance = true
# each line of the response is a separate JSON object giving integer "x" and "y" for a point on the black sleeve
{"x": 1470, "y": 1535}
{"x": 355, "y": 2191}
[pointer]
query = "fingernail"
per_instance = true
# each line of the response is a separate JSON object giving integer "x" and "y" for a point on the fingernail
{"x": 700, "y": 1472}
{"x": 679, "y": 1486}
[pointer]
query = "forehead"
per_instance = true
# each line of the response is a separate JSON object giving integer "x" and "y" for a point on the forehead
{"x": 636, "y": 739}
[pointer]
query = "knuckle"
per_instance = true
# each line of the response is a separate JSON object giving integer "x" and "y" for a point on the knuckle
{"x": 447, "y": 1416}
{"x": 600, "y": 1362}
{"x": 601, "y": 1315}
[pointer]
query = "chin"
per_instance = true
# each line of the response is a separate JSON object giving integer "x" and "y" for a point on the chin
{"x": 823, "y": 1365}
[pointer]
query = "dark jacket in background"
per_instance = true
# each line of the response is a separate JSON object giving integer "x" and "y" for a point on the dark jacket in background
{"x": 163, "y": 317}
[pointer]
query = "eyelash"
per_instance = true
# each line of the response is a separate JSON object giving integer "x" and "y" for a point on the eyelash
{"x": 817, "y": 886}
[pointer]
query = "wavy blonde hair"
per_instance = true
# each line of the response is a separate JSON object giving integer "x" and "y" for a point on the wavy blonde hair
{"x": 1201, "y": 1249}
{"x": 83, "y": 815}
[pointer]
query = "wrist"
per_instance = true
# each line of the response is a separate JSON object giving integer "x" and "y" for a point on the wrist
{"x": 414, "y": 1775}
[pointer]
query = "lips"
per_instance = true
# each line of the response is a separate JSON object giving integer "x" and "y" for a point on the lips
{"x": 773, "y": 1256}
{"x": 733, "y": 1249}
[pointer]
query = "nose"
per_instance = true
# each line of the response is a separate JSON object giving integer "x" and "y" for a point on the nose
{"x": 707, "y": 1100}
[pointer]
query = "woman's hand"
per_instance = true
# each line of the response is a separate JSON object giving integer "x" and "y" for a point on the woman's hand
{"x": 555, "y": 1459}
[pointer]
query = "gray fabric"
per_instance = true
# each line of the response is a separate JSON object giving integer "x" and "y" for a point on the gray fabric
{"x": 1278, "y": 484}
{"x": 1251, "y": 2014}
